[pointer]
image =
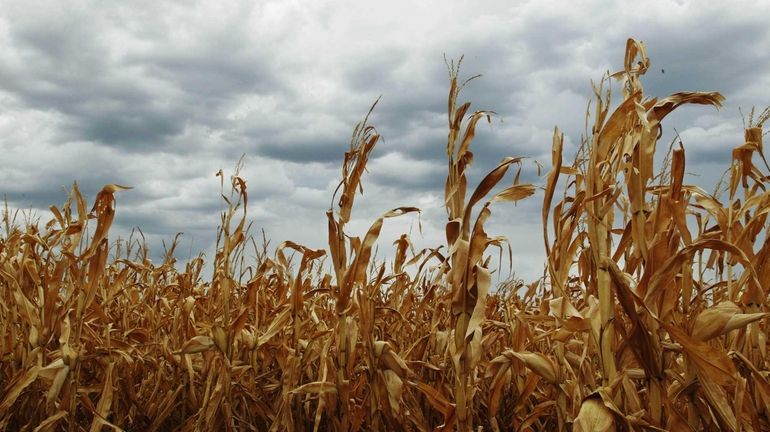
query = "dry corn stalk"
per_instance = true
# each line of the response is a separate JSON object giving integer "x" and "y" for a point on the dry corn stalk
{"x": 653, "y": 314}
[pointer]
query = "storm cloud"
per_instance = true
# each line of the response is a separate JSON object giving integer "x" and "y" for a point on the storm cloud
{"x": 161, "y": 95}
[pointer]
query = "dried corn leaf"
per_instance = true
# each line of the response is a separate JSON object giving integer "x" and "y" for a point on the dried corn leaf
{"x": 594, "y": 417}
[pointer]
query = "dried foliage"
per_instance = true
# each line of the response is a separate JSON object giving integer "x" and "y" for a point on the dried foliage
{"x": 652, "y": 314}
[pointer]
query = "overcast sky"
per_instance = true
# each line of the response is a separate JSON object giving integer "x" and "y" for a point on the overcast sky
{"x": 161, "y": 95}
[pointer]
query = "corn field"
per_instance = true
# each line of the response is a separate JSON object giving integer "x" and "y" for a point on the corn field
{"x": 652, "y": 313}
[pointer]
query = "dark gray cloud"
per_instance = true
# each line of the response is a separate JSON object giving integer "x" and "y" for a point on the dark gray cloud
{"x": 160, "y": 96}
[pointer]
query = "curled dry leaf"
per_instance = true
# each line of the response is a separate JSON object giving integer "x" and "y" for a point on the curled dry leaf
{"x": 197, "y": 344}
{"x": 539, "y": 364}
{"x": 721, "y": 319}
{"x": 594, "y": 417}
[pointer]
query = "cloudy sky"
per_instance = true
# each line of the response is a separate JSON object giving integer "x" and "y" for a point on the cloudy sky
{"x": 161, "y": 95}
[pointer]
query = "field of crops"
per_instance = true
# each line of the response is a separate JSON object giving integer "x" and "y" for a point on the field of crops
{"x": 652, "y": 315}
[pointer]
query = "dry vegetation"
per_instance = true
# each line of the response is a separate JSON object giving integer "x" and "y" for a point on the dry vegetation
{"x": 652, "y": 315}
